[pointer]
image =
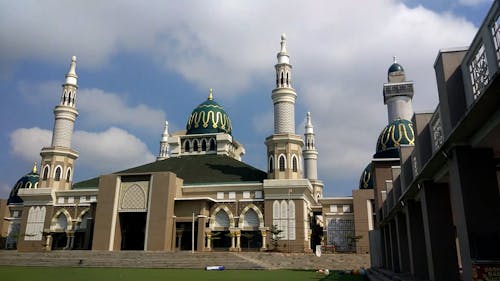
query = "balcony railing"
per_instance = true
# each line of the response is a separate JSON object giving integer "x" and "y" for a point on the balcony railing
{"x": 437, "y": 133}
{"x": 482, "y": 61}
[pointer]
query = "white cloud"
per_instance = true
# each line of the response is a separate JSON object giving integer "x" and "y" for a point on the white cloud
{"x": 27, "y": 143}
{"x": 102, "y": 152}
{"x": 111, "y": 150}
{"x": 98, "y": 107}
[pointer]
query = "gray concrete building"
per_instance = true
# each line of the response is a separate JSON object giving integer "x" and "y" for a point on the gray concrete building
{"x": 438, "y": 204}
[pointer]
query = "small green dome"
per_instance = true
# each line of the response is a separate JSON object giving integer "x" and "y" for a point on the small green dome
{"x": 30, "y": 180}
{"x": 208, "y": 118}
{"x": 366, "y": 180}
{"x": 398, "y": 132}
{"x": 395, "y": 67}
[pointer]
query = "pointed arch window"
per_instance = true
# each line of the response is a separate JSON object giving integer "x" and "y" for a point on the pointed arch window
{"x": 271, "y": 164}
{"x": 186, "y": 146}
{"x": 203, "y": 145}
{"x": 251, "y": 219}
{"x": 291, "y": 220}
{"x": 284, "y": 218}
{"x": 57, "y": 174}
{"x": 282, "y": 163}
{"x": 212, "y": 145}
{"x": 195, "y": 145}
{"x": 84, "y": 221}
{"x": 45, "y": 174}
{"x": 62, "y": 222}
{"x": 294, "y": 163}
{"x": 221, "y": 219}
{"x": 34, "y": 224}
{"x": 68, "y": 175}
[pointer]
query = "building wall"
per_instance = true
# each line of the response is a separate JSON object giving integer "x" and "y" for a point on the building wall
{"x": 4, "y": 224}
{"x": 105, "y": 220}
{"x": 160, "y": 224}
{"x": 24, "y": 245}
{"x": 363, "y": 218}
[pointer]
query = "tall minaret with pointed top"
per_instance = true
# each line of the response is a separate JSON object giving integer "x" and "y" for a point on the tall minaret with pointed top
{"x": 398, "y": 93}
{"x": 284, "y": 147}
{"x": 310, "y": 153}
{"x": 284, "y": 95}
{"x": 164, "y": 144}
{"x": 311, "y": 158}
{"x": 58, "y": 159}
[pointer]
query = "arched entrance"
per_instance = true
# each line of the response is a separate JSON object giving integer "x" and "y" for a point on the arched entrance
{"x": 250, "y": 221}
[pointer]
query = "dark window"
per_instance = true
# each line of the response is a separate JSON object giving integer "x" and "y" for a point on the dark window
{"x": 68, "y": 175}
{"x": 186, "y": 146}
{"x": 271, "y": 165}
{"x": 203, "y": 145}
{"x": 212, "y": 145}
{"x": 282, "y": 163}
{"x": 45, "y": 173}
{"x": 294, "y": 164}
{"x": 57, "y": 175}
{"x": 195, "y": 145}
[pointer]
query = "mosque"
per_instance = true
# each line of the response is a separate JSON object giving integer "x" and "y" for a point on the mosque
{"x": 199, "y": 195}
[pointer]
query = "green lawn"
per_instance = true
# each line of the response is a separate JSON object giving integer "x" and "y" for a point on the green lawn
{"x": 129, "y": 274}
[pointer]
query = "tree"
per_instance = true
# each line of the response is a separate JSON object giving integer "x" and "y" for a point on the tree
{"x": 275, "y": 236}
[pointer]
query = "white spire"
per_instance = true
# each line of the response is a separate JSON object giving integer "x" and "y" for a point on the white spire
{"x": 309, "y": 151}
{"x": 164, "y": 148}
{"x": 71, "y": 77}
{"x": 284, "y": 95}
{"x": 283, "y": 56}
{"x": 309, "y": 127}
{"x": 164, "y": 136}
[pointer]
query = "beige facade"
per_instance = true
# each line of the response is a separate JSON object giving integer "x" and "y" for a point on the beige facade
{"x": 197, "y": 196}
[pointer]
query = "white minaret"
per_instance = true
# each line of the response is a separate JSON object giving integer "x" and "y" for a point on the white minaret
{"x": 164, "y": 144}
{"x": 309, "y": 151}
{"x": 284, "y": 147}
{"x": 284, "y": 95}
{"x": 398, "y": 94}
{"x": 58, "y": 159}
{"x": 66, "y": 113}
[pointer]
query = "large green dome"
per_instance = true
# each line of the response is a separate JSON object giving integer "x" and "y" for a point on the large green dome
{"x": 208, "y": 118}
{"x": 398, "y": 132}
{"x": 30, "y": 180}
{"x": 366, "y": 180}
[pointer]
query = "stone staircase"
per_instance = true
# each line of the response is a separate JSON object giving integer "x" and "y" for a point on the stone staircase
{"x": 197, "y": 260}
{"x": 136, "y": 259}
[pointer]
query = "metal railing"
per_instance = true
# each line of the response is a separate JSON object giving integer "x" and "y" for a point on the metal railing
{"x": 482, "y": 61}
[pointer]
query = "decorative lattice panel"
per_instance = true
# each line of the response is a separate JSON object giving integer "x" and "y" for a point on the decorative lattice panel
{"x": 134, "y": 198}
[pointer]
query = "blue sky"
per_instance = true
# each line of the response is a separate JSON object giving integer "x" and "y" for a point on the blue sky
{"x": 141, "y": 64}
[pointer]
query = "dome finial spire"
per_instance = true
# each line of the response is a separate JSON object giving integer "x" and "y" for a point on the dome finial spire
{"x": 210, "y": 94}
{"x": 71, "y": 77}
{"x": 394, "y": 59}
{"x": 34, "y": 170}
{"x": 283, "y": 43}
{"x": 283, "y": 57}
